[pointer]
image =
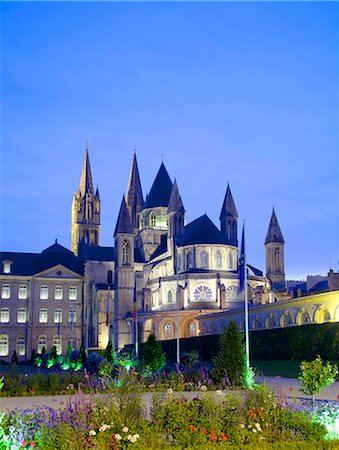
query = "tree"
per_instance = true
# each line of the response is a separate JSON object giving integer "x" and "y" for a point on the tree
{"x": 15, "y": 358}
{"x": 316, "y": 375}
{"x": 230, "y": 363}
{"x": 154, "y": 356}
{"x": 109, "y": 353}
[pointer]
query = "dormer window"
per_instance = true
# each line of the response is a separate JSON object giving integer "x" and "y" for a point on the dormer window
{"x": 7, "y": 266}
{"x": 152, "y": 219}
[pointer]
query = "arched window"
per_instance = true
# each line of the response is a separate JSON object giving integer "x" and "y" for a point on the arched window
{"x": 42, "y": 343}
{"x": 109, "y": 277}
{"x": 168, "y": 330}
{"x": 57, "y": 344}
{"x": 43, "y": 315}
{"x": 141, "y": 222}
{"x": 277, "y": 260}
{"x": 4, "y": 346}
{"x": 152, "y": 219}
{"x": 190, "y": 261}
{"x": 169, "y": 297}
{"x": 20, "y": 346}
{"x": 191, "y": 329}
{"x": 204, "y": 260}
{"x": 230, "y": 260}
{"x": 125, "y": 252}
{"x": 219, "y": 258}
{"x": 229, "y": 232}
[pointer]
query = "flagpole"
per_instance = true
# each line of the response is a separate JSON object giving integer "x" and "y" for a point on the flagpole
{"x": 135, "y": 316}
{"x": 177, "y": 298}
{"x": 247, "y": 345}
{"x": 108, "y": 309}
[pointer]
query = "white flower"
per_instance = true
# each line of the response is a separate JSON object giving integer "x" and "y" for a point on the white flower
{"x": 203, "y": 388}
{"x": 92, "y": 433}
{"x": 104, "y": 427}
{"x": 254, "y": 430}
{"x": 117, "y": 437}
{"x": 257, "y": 426}
{"x": 219, "y": 392}
{"x": 129, "y": 437}
{"x": 136, "y": 436}
{"x": 169, "y": 391}
{"x": 133, "y": 439}
{"x": 125, "y": 429}
{"x": 241, "y": 425}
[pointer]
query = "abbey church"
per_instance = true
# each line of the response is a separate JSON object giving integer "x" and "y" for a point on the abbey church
{"x": 162, "y": 276}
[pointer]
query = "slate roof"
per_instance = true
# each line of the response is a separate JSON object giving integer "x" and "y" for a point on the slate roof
{"x": 175, "y": 203}
{"x": 162, "y": 248}
{"x": 321, "y": 286}
{"x": 202, "y": 231}
{"x": 160, "y": 192}
{"x": 274, "y": 233}
{"x": 228, "y": 207}
{"x": 96, "y": 252}
{"x": 255, "y": 271}
{"x": 33, "y": 263}
{"x": 124, "y": 224}
{"x": 138, "y": 255}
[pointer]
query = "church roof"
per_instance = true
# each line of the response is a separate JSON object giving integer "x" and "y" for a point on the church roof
{"x": 22, "y": 263}
{"x": 175, "y": 203}
{"x": 96, "y": 252}
{"x": 274, "y": 233}
{"x": 134, "y": 197}
{"x": 202, "y": 231}
{"x": 160, "y": 192}
{"x": 124, "y": 224}
{"x": 162, "y": 248}
{"x": 228, "y": 207}
{"x": 86, "y": 182}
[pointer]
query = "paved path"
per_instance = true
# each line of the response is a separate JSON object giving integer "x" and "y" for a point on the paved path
{"x": 57, "y": 401}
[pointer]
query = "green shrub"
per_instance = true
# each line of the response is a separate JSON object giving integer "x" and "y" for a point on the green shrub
{"x": 316, "y": 375}
{"x": 154, "y": 358}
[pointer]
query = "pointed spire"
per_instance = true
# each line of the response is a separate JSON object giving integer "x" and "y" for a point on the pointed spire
{"x": 97, "y": 192}
{"x": 161, "y": 189}
{"x": 86, "y": 183}
{"x": 134, "y": 197}
{"x": 228, "y": 207}
{"x": 124, "y": 224}
{"x": 175, "y": 203}
{"x": 274, "y": 233}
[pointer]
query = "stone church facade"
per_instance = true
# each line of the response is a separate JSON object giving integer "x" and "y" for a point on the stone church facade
{"x": 165, "y": 275}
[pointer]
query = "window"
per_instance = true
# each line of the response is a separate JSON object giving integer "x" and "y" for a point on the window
{"x": 204, "y": 260}
{"x": 4, "y": 347}
{"x": 191, "y": 328}
{"x": 125, "y": 252}
{"x": 20, "y": 346}
{"x": 230, "y": 260}
{"x": 277, "y": 260}
{"x": 57, "y": 315}
{"x": 219, "y": 258}
{"x": 72, "y": 293}
{"x": 4, "y": 315}
{"x": 7, "y": 266}
{"x": 169, "y": 297}
{"x": 22, "y": 316}
{"x": 168, "y": 330}
{"x": 71, "y": 343}
{"x": 22, "y": 292}
{"x": 42, "y": 344}
{"x": 6, "y": 291}
{"x": 72, "y": 317}
{"x": 57, "y": 344}
{"x": 203, "y": 293}
{"x": 109, "y": 277}
{"x": 152, "y": 219}
{"x": 43, "y": 315}
{"x": 43, "y": 292}
{"x": 141, "y": 222}
{"x": 190, "y": 260}
{"x": 58, "y": 293}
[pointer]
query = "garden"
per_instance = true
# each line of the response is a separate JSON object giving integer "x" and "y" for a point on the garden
{"x": 190, "y": 406}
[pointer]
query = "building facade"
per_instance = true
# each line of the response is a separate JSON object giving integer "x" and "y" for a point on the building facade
{"x": 169, "y": 277}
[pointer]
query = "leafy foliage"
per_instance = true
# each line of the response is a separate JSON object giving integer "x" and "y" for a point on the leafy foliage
{"x": 154, "y": 357}
{"x": 316, "y": 375}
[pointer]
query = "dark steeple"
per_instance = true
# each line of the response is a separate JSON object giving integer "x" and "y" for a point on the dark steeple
{"x": 86, "y": 183}
{"x": 274, "y": 233}
{"x": 228, "y": 207}
{"x": 124, "y": 224}
{"x": 228, "y": 218}
{"x": 175, "y": 203}
{"x": 161, "y": 189}
{"x": 134, "y": 197}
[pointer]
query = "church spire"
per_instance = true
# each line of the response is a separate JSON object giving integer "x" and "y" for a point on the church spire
{"x": 134, "y": 197}
{"x": 228, "y": 218}
{"x": 86, "y": 183}
{"x": 124, "y": 224}
{"x": 274, "y": 233}
{"x": 175, "y": 203}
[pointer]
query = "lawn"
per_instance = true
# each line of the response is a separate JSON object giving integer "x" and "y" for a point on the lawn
{"x": 289, "y": 369}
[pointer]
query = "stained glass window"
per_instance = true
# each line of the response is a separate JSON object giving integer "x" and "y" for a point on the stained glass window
{"x": 203, "y": 293}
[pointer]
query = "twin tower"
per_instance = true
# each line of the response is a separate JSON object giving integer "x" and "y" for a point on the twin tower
{"x": 137, "y": 214}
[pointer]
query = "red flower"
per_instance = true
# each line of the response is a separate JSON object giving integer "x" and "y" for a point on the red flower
{"x": 24, "y": 444}
{"x": 223, "y": 436}
{"x": 193, "y": 428}
{"x": 33, "y": 444}
{"x": 204, "y": 431}
{"x": 213, "y": 436}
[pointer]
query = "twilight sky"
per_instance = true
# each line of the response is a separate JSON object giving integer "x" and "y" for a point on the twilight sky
{"x": 238, "y": 92}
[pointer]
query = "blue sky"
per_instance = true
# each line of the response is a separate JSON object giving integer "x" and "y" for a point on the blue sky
{"x": 245, "y": 93}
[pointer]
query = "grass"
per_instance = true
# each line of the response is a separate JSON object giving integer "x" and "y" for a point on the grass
{"x": 289, "y": 369}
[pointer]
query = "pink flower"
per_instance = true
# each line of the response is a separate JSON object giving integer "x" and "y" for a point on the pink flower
{"x": 24, "y": 444}
{"x": 33, "y": 444}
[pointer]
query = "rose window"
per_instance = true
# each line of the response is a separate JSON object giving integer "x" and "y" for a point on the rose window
{"x": 203, "y": 293}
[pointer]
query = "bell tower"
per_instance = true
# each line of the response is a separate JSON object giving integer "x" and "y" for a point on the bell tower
{"x": 274, "y": 245}
{"x": 86, "y": 210}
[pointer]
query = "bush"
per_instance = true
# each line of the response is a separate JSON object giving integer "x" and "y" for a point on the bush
{"x": 154, "y": 357}
{"x": 93, "y": 362}
{"x": 316, "y": 375}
